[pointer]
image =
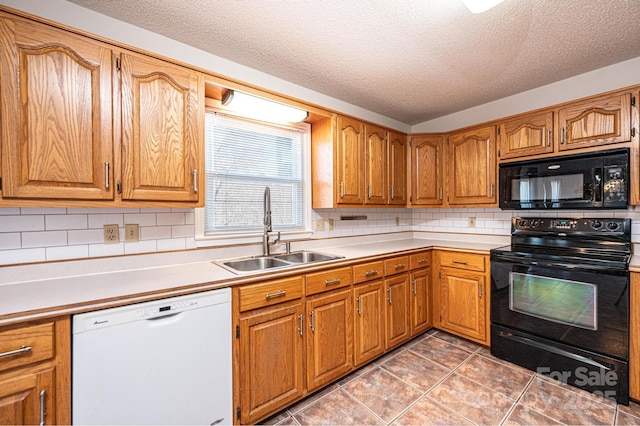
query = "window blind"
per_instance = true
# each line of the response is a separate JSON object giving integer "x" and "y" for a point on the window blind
{"x": 242, "y": 158}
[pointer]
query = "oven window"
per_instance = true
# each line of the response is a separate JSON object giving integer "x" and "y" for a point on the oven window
{"x": 548, "y": 188}
{"x": 554, "y": 299}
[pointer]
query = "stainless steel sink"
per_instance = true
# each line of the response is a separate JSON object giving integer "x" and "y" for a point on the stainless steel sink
{"x": 263, "y": 263}
{"x": 306, "y": 257}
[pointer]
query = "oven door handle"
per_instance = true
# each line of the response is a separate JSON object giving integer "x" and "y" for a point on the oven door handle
{"x": 555, "y": 350}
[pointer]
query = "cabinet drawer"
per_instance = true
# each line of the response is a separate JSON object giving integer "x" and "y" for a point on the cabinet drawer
{"x": 420, "y": 260}
{"x": 368, "y": 272}
{"x": 462, "y": 260}
{"x": 396, "y": 265}
{"x": 328, "y": 280}
{"x": 14, "y": 344}
{"x": 270, "y": 293}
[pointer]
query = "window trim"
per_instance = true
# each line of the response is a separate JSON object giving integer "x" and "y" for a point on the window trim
{"x": 255, "y": 236}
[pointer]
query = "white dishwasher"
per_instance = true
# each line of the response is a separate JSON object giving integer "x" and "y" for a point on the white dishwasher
{"x": 162, "y": 362}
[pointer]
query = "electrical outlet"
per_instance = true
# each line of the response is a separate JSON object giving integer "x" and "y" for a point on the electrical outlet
{"x": 111, "y": 234}
{"x": 472, "y": 222}
{"x": 319, "y": 225}
{"x": 131, "y": 233}
{"x": 397, "y": 221}
{"x": 331, "y": 224}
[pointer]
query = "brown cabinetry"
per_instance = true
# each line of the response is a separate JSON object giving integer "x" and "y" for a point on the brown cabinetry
{"x": 397, "y": 310}
{"x": 463, "y": 295}
{"x": 397, "y": 169}
{"x": 634, "y": 342}
{"x": 375, "y": 167}
{"x": 524, "y": 135}
{"x": 349, "y": 161}
{"x": 420, "y": 280}
{"x": 369, "y": 324}
{"x": 85, "y": 122}
{"x": 472, "y": 168}
{"x": 427, "y": 170}
{"x": 35, "y": 373}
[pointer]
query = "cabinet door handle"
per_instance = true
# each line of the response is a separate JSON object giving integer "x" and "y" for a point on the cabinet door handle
{"x": 459, "y": 262}
{"x": 369, "y": 191}
{"x": 399, "y": 266}
{"x": 391, "y": 192}
{"x": 491, "y": 190}
{"x": 415, "y": 285}
{"x": 313, "y": 325}
{"x": 195, "y": 180}
{"x": 23, "y": 349}
{"x": 440, "y": 193}
{"x": 371, "y": 273}
{"x": 341, "y": 189}
{"x": 390, "y": 299}
{"x": 43, "y": 413}
{"x": 276, "y": 294}
{"x": 106, "y": 175}
{"x": 548, "y": 137}
{"x": 480, "y": 290}
{"x": 562, "y": 135}
{"x": 301, "y": 322}
{"x": 359, "y": 308}
{"x": 333, "y": 281}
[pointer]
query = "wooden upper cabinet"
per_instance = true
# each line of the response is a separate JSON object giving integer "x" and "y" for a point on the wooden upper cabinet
{"x": 597, "y": 121}
{"x": 397, "y": 169}
{"x": 56, "y": 120}
{"x": 427, "y": 167}
{"x": 375, "y": 165}
{"x": 471, "y": 172}
{"x": 162, "y": 126}
{"x": 349, "y": 161}
{"x": 529, "y": 134}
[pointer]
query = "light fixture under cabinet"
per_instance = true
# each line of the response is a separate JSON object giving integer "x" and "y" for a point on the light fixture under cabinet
{"x": 262, "y": 109}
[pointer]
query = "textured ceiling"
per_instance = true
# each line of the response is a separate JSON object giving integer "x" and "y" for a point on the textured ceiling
{"x": 410, "y": 60}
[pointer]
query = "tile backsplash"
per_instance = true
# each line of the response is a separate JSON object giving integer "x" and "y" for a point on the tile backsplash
{"x": 37, "y": 235}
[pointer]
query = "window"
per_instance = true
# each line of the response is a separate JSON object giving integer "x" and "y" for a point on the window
{"x": 242, "y": 158}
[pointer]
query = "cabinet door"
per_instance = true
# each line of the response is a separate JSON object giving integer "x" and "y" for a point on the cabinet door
{"x": 531, "y": 134}
{"x": 397, "y": 310}
{"x": 330, "y": 338}
{"x": 162, "y": 130}
{"x": 471, "y": 167}
{"x": 462, "y": 303}
{"x": 349, "y": 161}
{"x": 397, "y": 169}
{"x": 27, "y": 398}
{"x": 421, "y": 301}
{"x": 375, "y": 165}
{"x": 634, "y": 342}
{"x": 599, "y": 121}
{"x": 427, "y": 162}
{"x": 56, "y": 125}
{"x": 369, "y": 322}
{"x": 270, "y": 358}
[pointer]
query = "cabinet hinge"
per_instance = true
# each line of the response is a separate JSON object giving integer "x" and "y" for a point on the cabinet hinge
{"x": 498, "y": 153}
{"x": 118, "y": 64}
{"x": 633, "y": 133}
{"x": 440, "y": 317}
{"x": 119, "y": 187}
{"x": 633, "y": 101}
{"x": 498, "y": 130}
{"x": 410, "y": 198}
{"x": 0, "y": 184}
{"x": 238, "y": 413}
{"x": 237, "y": 331}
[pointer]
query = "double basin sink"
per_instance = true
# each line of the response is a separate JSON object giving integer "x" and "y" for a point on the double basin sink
{"x": 263, "y": 263}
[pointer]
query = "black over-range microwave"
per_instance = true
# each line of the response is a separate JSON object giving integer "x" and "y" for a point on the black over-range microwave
{"x": 580, "y": 181}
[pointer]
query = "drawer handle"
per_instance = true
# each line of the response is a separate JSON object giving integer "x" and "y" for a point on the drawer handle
{"x": 399, "y": 266}
{"x": 23, "y": 349}
{"x": 459, "y": 262}
{"x": 276, "y": 294}
{"x": 370, "y": 273}
{"x": 333, "y": 281}
{"x": 421, "y": 261}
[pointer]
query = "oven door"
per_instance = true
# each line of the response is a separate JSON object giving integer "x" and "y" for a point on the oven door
{"x": 568, "y": 304}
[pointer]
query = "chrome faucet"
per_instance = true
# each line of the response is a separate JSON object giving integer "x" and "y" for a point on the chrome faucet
{"x": 267, "y": 223}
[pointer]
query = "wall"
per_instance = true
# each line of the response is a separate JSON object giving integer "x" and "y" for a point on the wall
{"x": 38, "y": 235}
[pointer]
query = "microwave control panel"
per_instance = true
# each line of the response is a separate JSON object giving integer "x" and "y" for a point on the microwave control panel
{"x": 614, "y": 184}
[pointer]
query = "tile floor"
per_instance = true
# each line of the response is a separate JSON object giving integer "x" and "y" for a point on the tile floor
{"x": 438, "y": 378}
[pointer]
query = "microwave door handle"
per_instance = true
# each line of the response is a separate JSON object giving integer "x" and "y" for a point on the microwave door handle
{"x": 597, "y": 187}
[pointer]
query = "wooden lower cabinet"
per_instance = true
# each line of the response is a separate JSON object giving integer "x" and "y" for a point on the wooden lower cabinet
{"x": 270, "y": 349}
{"x": 329, "y": 337}
{"x": 397, "y": 310}
{"x": 421, "y": 315}
{"x": 463, "y": 303}
{"x": 35, "y": 383}
{"x": 634, "y": 342}
{"x": 369, "y": 322}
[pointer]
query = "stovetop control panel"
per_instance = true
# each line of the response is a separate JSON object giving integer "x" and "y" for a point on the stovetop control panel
{"x": 582, "y": 226}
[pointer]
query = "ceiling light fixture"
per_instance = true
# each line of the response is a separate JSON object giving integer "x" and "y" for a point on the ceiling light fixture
{"x": 479, "y": 6}
{"x": 261, "y": 109}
